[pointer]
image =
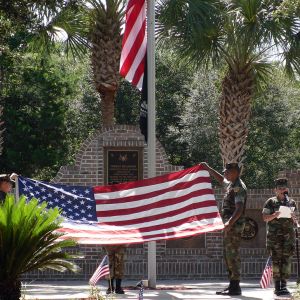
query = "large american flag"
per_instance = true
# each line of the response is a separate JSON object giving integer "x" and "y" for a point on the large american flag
{"x": 170, "y": 206}
{"x": 134, "y": 44}
{"x": 266, "y": 278}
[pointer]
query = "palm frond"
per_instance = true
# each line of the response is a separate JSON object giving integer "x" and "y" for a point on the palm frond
{"x": 193, "y": 27}
{"x": 28, "y": 240}
{"x": 68, "y": 26}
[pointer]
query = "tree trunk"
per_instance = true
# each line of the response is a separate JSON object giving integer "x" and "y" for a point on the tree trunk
{"x": 108, "y": 107}
{"x": 235, "y": 110}
{"x": 10, "y": 290}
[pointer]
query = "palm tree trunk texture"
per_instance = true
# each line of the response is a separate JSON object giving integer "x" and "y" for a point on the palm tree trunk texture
{"x": 105, "y": 59}
{"x": 234, "y": 111}
{"x": 10, "y": 290}
{"x": 108, "y": 107}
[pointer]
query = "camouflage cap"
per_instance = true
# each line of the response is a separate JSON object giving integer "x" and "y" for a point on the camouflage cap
{"x": 232, "y": 166}
{"x": 281, "y": 182}
{"x": 5, "y": 177}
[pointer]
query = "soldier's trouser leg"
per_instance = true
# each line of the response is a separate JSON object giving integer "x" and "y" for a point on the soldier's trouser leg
{"x": 281, "y": 248}
{"x": 116, "y": 261}
{"x": 232, "y": 241}
{"x": 119, "y": 265}
{"x": 287, "y": 254}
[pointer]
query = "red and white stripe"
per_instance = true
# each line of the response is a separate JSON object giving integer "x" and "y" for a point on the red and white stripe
{"x": 266, "y": 278}
{"x": 134, "y": 44}
{"x": 101, "y": 271}
{"x": 171, "y": 206}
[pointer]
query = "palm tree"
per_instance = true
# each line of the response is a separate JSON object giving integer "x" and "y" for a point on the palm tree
{"x": 28, "y": 242}
{"x": 106, "y": 42}
{"x": 95, "y": 25}
{"x": 246, "y": 35}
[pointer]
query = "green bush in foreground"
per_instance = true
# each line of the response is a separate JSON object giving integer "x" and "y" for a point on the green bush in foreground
{"x": 28, "y": 242}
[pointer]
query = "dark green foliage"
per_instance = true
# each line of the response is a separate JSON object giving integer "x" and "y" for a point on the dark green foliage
{"x": 274, "y": 142}
{"x": 28, "y": 242}
{"x": 49, "y": 108}
{"x": 127, "y": 104}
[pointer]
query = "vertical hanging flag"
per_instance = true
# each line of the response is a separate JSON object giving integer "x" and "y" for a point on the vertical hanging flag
{"x": 134, "y": 44}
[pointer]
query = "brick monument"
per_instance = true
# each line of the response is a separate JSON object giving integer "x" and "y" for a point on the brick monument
{"x": 101, "y": 160}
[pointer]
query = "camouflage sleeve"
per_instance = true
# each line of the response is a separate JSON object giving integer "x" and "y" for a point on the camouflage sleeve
{"x": 268, "y": 209}
{"x": 294, "y": 205}
{"x": 239, "y": 195}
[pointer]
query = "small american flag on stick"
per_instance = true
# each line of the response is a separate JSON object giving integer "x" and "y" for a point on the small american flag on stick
{"x": 101, "y": 271}
{"x": 266, "y": 278}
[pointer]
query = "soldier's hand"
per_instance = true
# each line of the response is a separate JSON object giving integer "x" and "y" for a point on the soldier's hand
{"x": 294, "y": 217}
{"x": 227, "y": 226}
{"x": 13, "y": 176}
{"x": 276, "y": 214}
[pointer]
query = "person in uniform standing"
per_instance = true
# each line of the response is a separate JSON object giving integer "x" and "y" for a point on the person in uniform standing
{"x": 280, "y": 235}
{"x": 6, "y": 182}
{"x": 232, "y": 213}
{"x": 116, "y": 268}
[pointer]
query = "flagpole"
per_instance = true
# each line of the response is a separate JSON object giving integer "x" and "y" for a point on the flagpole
{"x": 17, "y": 192}
{"x": 151, "y": 125}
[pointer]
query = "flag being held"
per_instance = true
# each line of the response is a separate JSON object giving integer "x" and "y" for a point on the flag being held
{"x": 175, "y": 205}
{"x": 102, "y": 270}
{"x": 266, "y": 278}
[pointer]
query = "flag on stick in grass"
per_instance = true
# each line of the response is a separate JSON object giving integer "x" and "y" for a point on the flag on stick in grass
{"x": 101, "y": 271}
{"x": 141, "y": 290}
{"x": 266, "y": 278}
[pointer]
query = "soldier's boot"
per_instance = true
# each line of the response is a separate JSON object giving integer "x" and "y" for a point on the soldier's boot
{"x": 234, "y": 289}
{"x": 283, "y": 288}
{"x": 111, "y": 287}
{"x": 224, "y": 291}
{"x": 277, "y": 290}
{"x": 119, "y": 289}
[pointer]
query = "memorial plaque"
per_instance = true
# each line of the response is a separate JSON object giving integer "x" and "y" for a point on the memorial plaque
{"x": 123, "y": 165}
{"x": 254, "y": 235}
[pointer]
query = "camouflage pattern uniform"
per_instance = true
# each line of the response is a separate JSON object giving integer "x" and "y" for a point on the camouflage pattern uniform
{"x": 280, "y": 238}
{"x": 116, "y": 260}
{"x": 236, "y": 192}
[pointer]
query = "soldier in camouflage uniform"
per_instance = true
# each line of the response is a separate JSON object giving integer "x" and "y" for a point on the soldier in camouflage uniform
{"x": 280, "y": 235}
{"x": 233, "y": 210}
{"x": 116, "y": 268}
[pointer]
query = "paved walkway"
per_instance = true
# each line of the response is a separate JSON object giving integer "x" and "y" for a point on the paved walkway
{"x": 166, "y": 290}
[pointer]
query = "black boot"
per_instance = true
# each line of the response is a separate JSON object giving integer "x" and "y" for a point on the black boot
{"x": 225, "y": 291}
{"x": 283, "y": 288}
{"x": 277, "y": 290}
{"x": 111, "y": 287}
{"x": 235, "y": 288}
{"x": 119, "y": 289}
